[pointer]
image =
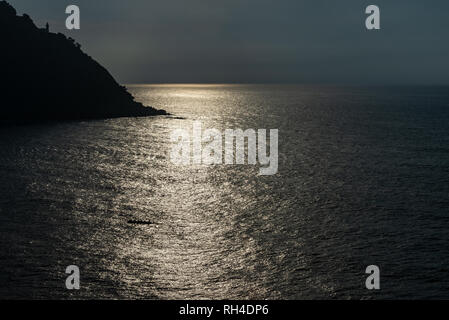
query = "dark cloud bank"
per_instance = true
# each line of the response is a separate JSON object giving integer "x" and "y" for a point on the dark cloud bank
{"x": 259, "y": 41}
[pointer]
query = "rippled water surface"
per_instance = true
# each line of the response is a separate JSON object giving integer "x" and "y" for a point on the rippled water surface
{"x": 363, "y": 179}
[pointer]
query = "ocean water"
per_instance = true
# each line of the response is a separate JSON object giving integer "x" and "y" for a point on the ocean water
{"x": 363, "y": 179}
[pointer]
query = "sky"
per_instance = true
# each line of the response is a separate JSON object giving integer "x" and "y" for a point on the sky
{"x": 258, "y": 41}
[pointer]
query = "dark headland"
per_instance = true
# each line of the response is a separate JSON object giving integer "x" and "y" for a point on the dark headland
{"x": 46, "y": 76}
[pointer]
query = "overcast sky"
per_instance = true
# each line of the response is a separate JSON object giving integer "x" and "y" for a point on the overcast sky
{"x": 310, "y": 41}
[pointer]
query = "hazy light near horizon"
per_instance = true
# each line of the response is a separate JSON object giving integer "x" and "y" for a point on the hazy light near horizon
{"x": 286, "y": 41}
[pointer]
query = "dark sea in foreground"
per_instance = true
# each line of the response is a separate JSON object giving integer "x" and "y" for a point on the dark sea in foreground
{"x": 363, "y": 179}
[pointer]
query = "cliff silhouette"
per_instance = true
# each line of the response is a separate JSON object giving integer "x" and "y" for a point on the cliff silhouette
{"x": 46, "y": 76}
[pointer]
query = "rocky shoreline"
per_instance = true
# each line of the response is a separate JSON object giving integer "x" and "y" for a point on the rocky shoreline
{"x": 47, "y": 77}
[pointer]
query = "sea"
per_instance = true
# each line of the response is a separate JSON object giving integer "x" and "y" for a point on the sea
{"x": 362, "y": 180}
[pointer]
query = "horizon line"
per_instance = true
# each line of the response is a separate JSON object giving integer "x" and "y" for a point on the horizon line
{"x": 277, "y": 83}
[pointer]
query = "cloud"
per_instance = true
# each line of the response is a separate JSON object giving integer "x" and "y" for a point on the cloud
{"x": 260, "y": 41}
